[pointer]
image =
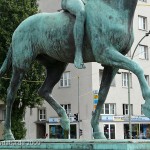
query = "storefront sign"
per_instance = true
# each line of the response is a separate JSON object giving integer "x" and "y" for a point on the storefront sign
{"x": 119, "y": 118}
{"x": 95, "y": 91}
{"x": 139, "y": 118}
{"x": 54, "y": 120}
{"x": 133, "y": 118}
{"x": 106, "y": 118}
{"x": 124, "y": 118}
{"x": 95, "y": 99}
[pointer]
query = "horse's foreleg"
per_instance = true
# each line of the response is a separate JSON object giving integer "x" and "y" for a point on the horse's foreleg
{"x": 112, "y": 57}
{"x": 108, "y": 75}
{"x": 53, "y": 76}
{"x": 11, "y": 91}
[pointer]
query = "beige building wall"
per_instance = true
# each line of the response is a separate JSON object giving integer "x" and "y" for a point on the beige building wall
{"x": 31, "y": 116}
{"x": 49, "y": 5}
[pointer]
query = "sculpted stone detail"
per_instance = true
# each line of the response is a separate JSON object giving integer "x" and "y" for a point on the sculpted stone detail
{"x": 49, "y": 38}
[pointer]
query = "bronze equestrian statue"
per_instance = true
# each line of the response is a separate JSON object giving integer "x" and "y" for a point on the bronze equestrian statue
{"x": 48, "y": 37}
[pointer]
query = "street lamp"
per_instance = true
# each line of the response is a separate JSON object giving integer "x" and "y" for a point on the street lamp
{"x": 79, "y": 106}
{"x": 129, "y": 104}
{"x": 146, "y": 34}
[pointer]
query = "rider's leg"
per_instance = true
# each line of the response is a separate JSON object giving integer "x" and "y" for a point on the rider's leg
{"x": 76, "y": 7}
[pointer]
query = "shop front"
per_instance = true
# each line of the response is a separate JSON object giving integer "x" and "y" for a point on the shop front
{"x": 139, "y": 131}
{"x": 55, "y": 131}
{"x": 117, "y": 127}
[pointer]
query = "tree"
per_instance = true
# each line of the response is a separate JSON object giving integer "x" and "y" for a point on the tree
{"x": 12, "y": 13}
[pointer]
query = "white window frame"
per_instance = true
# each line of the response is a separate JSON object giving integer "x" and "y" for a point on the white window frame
{"x": 109, "y": 109}
{"x": 143, "y": 1}
{"x": 65, "y": 80}
{"x": 142, "y": 22}
{"x": 143, "y": 52}
{"x": 113, "y": 83}
{"x": 125, "y": 79}
{"x": 67, "y": 108}
{"x": 109, "y": 124}
{"x": 126, "y": 109}
{"x": 42, "y": 114}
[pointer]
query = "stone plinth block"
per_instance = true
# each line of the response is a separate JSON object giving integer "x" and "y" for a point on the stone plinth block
{"x": 55, "y": 144}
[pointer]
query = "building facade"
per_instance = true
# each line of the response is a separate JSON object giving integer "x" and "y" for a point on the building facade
{"x": 77, "y": 92}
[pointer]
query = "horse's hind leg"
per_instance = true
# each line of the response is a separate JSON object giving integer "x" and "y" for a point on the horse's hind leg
{"x": 108, "y": 75}
{"x": 16, "y": 79}
{"x": 53, "y": 76}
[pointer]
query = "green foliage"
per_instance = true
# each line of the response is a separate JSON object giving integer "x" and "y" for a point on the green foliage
{"x": 12, "y": 13}
{"x": 18, "y": 126}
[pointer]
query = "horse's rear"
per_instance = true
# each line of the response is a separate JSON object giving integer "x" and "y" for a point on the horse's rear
{"x": 49, "y": 39}
{"x": 44, "y": 33}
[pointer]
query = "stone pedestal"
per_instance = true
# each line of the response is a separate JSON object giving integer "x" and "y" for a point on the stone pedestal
{"x": 52, "y": 144}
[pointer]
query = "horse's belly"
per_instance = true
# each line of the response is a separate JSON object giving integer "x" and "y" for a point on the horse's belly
{"x": 119, "y": 39}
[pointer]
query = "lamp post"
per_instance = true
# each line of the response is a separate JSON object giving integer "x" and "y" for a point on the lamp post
{"x": 78, "y": 106}
{"x": 129, "y": 103}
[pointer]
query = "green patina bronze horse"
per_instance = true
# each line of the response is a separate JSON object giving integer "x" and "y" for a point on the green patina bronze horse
{"x": 48, "y": 37}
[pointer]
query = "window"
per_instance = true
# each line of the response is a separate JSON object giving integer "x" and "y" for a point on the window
{"x": 109, "y": 131}
{"x": 65, "y": 80}
{"x": 139, "y": 131}
{"x": 143, "y": 0}
{"x": 147, "y": 78}
{"x": 67, "y": 107}
{"x": 129, "y": 53}
{"x": 100, "y": 78}
{"x": 23, "y": 117}
{"x": 142, "y": 111}
{"x": 31, "y": 111}
{"x": 108, "y": 109}
{"x": 3, "y": 114}
{"x": 142, "y": 23}
{"x": 57, "y": 132}
{"x": 42, "y": 114}
{"x": 125, "y": 79}
{"x": 143, "y": 52}
{"x": 100, "y": 75}
{"x": 126, "y": 109}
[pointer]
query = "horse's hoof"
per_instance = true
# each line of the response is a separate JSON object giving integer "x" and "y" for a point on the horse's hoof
{"x": 65, "y": 123}
{"x": 146, "y": 109}
{"x": 79, "y": 65}
{"x": 8, "y": 136}
{"x": 99, "y": 135}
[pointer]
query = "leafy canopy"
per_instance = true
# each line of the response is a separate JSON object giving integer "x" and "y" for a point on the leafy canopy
{"x": 12, "y": 13}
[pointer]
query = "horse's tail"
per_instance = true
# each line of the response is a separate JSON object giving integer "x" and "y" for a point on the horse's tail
{"x": 7, "y": 62}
